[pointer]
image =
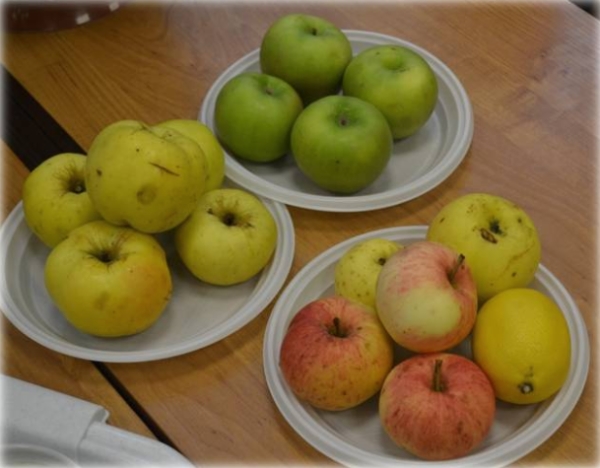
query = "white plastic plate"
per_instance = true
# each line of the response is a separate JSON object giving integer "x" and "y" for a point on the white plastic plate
{"x": 355, "y": 437}
{"x": 198, "y": 314}
{"x": 418, "y": 163}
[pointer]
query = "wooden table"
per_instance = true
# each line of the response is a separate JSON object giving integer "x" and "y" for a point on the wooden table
{"x": 529, "y": 70}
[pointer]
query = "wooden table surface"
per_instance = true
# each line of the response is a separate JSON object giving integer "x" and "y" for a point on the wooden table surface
{"x": 530, "y": 71}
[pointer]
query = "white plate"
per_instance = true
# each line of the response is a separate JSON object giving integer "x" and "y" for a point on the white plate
{"x": 418, "y": 163}
{"x": 198, "y": 314}
{"x": 355, "y": 437}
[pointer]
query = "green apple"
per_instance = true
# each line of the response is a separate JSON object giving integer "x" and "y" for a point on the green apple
{"x": 108, "y": 280}
{"x": 204, "y": 137}
{"x": 497, "y": 237}
{"x": 254, "y": 115}
{"x": 229, "y": 238}
{"x": 341, "y": 143}
{"x": 357, "y": 271}
{"x": 149, "y": 178}
{"x": 55, "y": 199}
{"x": 398, "y": 81}
{"x": 308, "y": 52}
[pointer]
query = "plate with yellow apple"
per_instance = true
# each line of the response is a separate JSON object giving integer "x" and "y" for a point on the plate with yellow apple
{"x": 197, "y": 315}
{"x": 416, "y": 163}
{"x": 353, "y": 433}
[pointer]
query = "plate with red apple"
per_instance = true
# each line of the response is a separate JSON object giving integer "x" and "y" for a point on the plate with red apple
{"x": 356, "y": 436}
{"x": 198, "y": 314}
{"x": 418, "y": 163}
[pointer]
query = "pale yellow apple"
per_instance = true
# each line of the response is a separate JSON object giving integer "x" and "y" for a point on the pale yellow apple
{"x": 149, "y": 178}
{"x": 108, "y": 280}
{"x": 201, "y": 134}
{"x": 229, "y": 238}
{"x": 358, "y": 269}
{"x": 55, "y": 199}
{"x": 497, "y": 238}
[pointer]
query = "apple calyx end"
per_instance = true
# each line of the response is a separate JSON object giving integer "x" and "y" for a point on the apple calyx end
{"x": 525, "y": 388}
{"x": 437, "y": 386}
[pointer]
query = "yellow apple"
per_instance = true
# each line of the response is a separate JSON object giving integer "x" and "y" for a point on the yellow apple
{"x": 108, "y": 280}
{"x": 228, "y": 238}
{"x": 497, "y": 238}
{"x": 357, "y": 271}
{"x": 149, "y": 178}
{"x": 201, "y": 134}
{"x": 55, "y": 199}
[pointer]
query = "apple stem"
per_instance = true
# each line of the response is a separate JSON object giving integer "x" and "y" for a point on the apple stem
{"x": 457, "y": 265}
{"x": 488, "y": 236}
{"x": 437, "y": 376}
{"x": 336, "y": 329}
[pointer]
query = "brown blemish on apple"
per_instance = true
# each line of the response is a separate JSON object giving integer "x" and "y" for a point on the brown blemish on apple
{"x": 164, "y": 169}
{"x": 99, "y": 172}
{"x": 101, "y": 300}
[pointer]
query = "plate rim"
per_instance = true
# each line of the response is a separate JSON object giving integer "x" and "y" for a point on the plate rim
{"x": 557, "y": 409}
{"x": 260, "y": 300}
{"x": 354, "y": 203}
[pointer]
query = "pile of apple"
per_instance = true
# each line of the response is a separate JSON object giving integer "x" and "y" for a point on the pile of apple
{"x": 101, "y": 214}
{"x": 342, "y": 142}
{"x": 340, "y": 350}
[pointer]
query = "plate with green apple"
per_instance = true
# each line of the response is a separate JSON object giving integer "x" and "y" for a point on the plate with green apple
{"x": 197, "y": 314}
{"x": 356, "y": 436}
{"x": 418, "y": 163}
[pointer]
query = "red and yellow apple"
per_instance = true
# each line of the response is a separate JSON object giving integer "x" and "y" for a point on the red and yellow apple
{"x": 335, "y": 354}
{"x": 426, "y": 297}
{"x": 437, "y": 406}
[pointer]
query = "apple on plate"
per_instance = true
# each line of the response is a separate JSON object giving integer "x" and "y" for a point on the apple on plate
{"x": 437, "y": 406}
{"x": 396, "y": 80}
{"x": 205, "y": 138}
{"x": 357, "y": 271}
{"x": 148, "y": 178}
{"x": 498, "y": 238}
{"x": 341, "y": 143}
{"x": 229, "y": 238}
{"x": 254, "y": 115}
{"x": 426, "y": 297}
{"x": 55, "y": 199}
{"x": 335, "y": 354}
{"x": 107, "y": 280}
{"x": 308, "y": 52}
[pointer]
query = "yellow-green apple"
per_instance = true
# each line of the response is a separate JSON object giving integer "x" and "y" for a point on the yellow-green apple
{"x": 229, "y": 238}
{"x": 205, "y": 138}
{"x": 254, "y": 115}
{"x": 426, "y": 297}
{"x": 55, "y": 199}
{"x": 356, "y": 272}
{"x": 497, "y": 237}
{"x": 341, "y": 143}
{"x": 398, "y": 81}
{"x": 146, "y": 177}
{"x": 437, "y": 406}
{"x": 335, "y": 354}
{"x": 308, "y": 52}
{"x": 108, "y": 280}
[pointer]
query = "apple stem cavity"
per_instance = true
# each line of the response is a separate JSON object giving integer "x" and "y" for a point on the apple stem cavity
{"x": 459, "y": 261}
{"x": 437, "y": 376}
{"x": 336, "y": 329}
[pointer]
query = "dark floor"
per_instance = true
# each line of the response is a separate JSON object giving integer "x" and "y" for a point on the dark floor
{"x": 591, "y": 6}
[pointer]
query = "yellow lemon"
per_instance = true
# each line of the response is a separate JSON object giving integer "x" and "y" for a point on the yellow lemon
{"x": 521, "y": 340}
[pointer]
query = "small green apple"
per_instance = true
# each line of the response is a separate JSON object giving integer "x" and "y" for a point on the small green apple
{"x": 357, "y": 271}
{"x": 341, "y": 143}
{"x": 308, "y": 52}
{"x": 254, "y": 115}
{"x": 149, "y": 178}
{"x": 228, "y": 238}
{"x": 55, "y": 199}
{"x": 497, "y": 237}
{"x": 108, "y": 280}
{"x": 396, "y": 80}
{"x": 204, "y": 137}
